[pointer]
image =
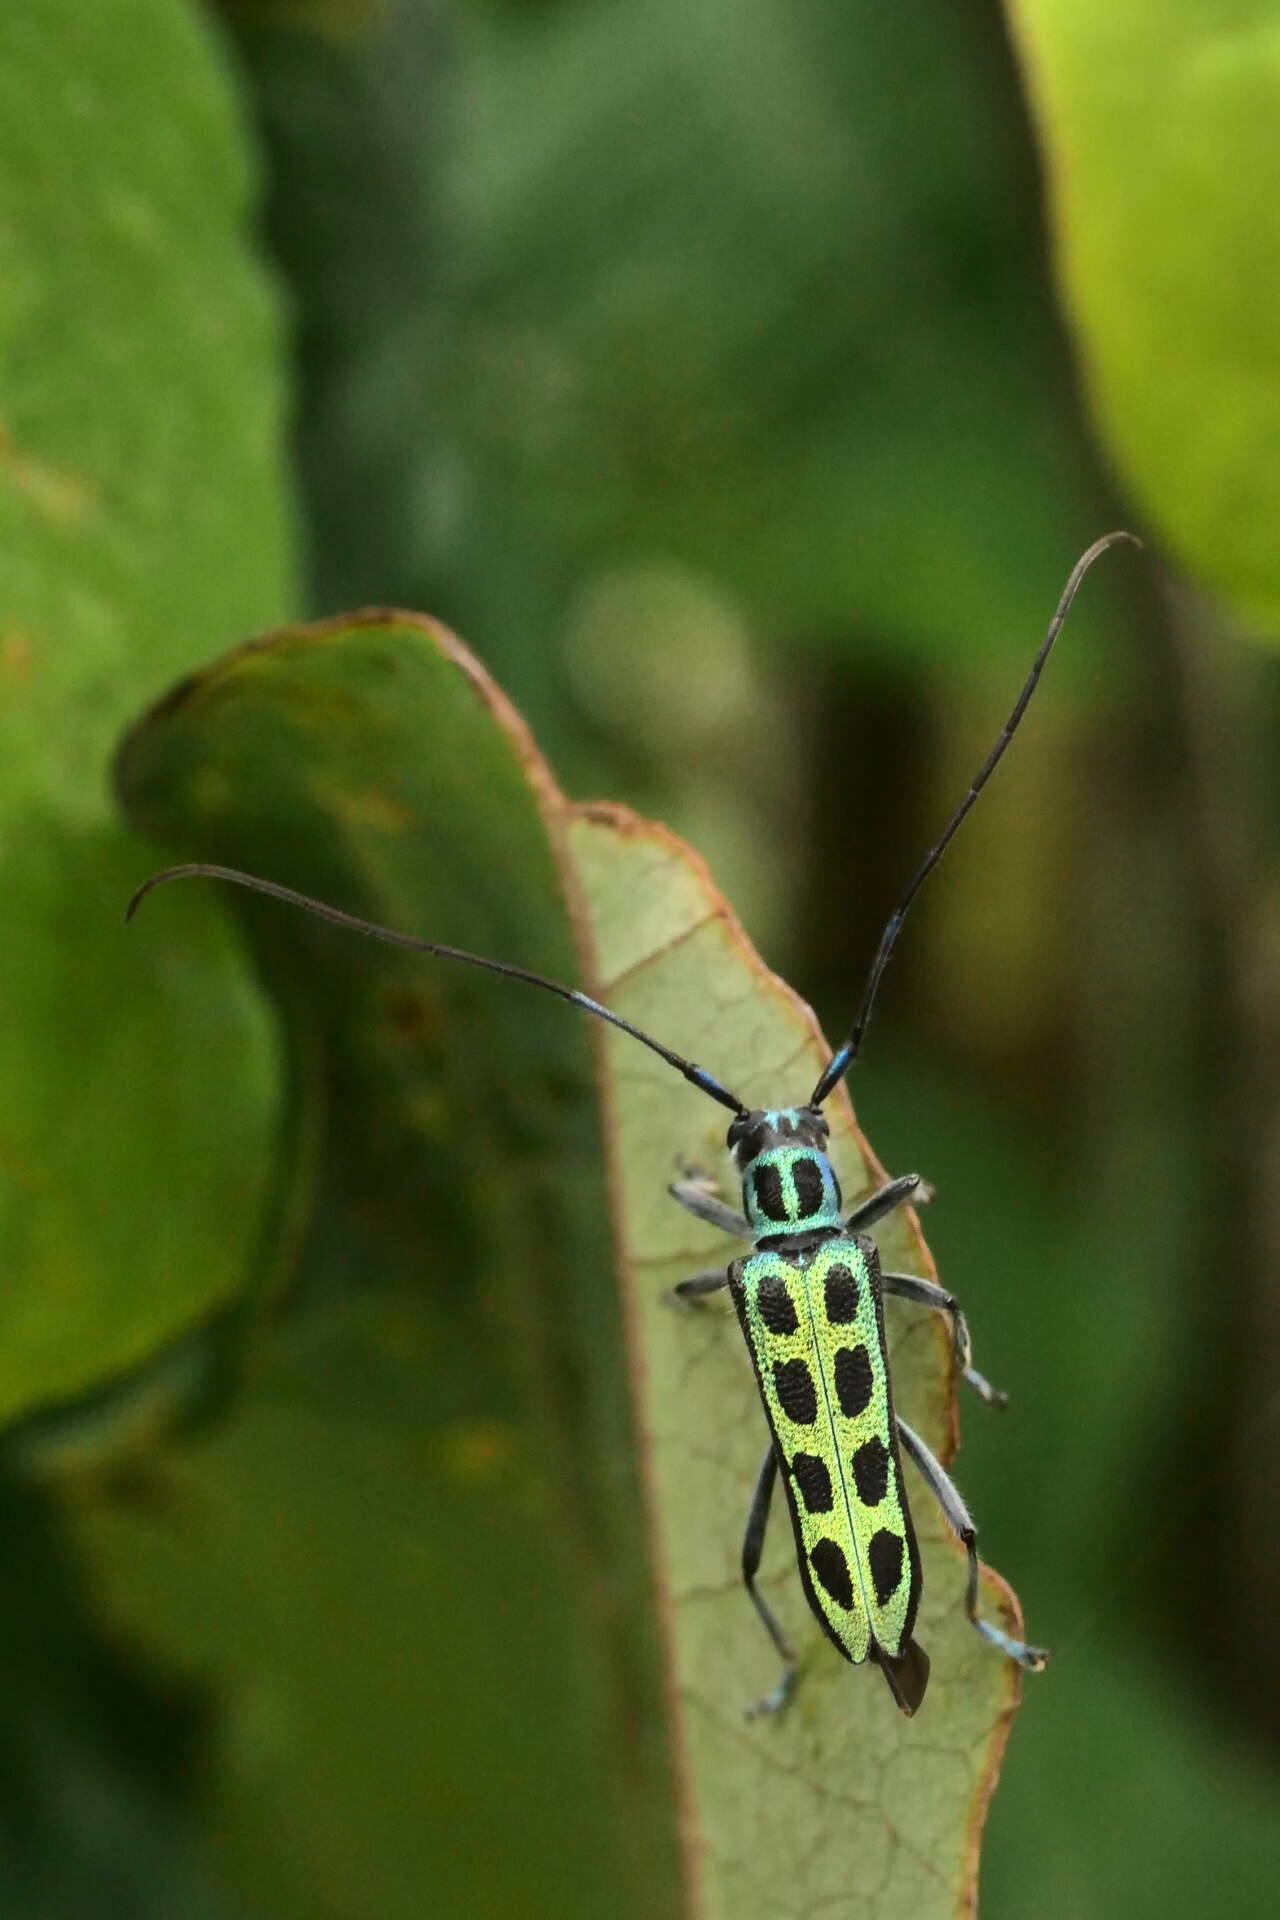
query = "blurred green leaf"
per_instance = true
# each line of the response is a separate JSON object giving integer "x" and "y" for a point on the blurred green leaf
{"x": 139, "y": 395}
{"x": 433, "y": 1479}
{"x": 751, "y": 290}
{"x": 132, "y": 1176}
{"x": 141, "y": 524}
{"x": 1158, "y": 123}
{"x": 410, "y": 1567}
{"x": 726, "y": 296}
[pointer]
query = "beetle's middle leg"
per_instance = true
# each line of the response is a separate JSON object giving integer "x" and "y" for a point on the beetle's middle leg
{"x": 923, "y": 1293}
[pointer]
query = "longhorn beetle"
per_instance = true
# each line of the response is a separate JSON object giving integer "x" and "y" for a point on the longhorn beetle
{"x": 809, "y": 1301}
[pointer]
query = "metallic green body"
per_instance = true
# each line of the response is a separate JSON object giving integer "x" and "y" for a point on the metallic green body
{"x": 809, "y": 1302}
{"x": 838, "y": 1347}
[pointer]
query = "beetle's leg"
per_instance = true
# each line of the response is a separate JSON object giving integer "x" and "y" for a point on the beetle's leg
{"x": 923, "y": 1293}
{"x": 709, "y": 1281}
{"x": 956, "y": 1515}
{"x": 699, "y": 1197}
{"x": 884, "y": 1200}
{"x": 752, "y": 1548}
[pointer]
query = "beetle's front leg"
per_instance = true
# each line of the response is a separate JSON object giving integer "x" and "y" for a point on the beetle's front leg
{"x": 895, "y": 1193}
{"x": 697, "y": 1194}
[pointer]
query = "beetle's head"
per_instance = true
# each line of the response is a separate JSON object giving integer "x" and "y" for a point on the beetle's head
{"x": 788, "y": 1183}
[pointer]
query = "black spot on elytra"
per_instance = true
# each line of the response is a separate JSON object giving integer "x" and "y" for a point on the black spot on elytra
{"x": 813, "y": 1481}
{"x": 832, "y": 1569}
{"x": 871, "y": 1471}
{"x": 841, "y": 1293}
{"x": 796, "y": 1392}
{"x": 768, "y": 1185}
{"x": 854, "y": 1380}
{"x": 777, "y": 1309}
{"x": 885, "y": 1556}
{"x": 810, "y": 1192}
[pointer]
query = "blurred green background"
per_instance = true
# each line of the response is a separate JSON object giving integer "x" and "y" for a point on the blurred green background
{"x": 741, "y": 381}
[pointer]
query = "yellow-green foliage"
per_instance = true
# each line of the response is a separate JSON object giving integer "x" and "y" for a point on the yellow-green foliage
{"x": 1158, "y": 126}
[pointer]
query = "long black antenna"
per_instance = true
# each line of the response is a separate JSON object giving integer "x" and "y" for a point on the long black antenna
{"x": 700, "y": 1078}
{"x": 842, "y": 1060}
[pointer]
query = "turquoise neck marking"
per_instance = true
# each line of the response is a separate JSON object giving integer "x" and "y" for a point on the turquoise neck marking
{"x": 791, "y": 1189}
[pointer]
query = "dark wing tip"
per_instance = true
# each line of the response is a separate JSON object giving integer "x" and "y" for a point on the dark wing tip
{"x": 908, "y": 1676}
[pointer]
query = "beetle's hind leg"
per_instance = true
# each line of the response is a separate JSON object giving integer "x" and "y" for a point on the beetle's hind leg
{"x": 752, "y": 1549}
{"x": 958, "y": 1519}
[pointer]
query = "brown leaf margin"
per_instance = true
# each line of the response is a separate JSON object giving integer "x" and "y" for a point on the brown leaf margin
{"x": 558, "y": 813}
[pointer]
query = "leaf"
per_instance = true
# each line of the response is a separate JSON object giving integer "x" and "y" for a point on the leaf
{"x": 1158, "y": 127}
{"x": 841, "y": 1798}
{"x": 410, "y": 1567}
{"x": 142, "y": 523}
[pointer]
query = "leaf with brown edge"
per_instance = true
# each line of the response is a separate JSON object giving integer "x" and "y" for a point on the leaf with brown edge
{"x": 839, "y": 1804}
